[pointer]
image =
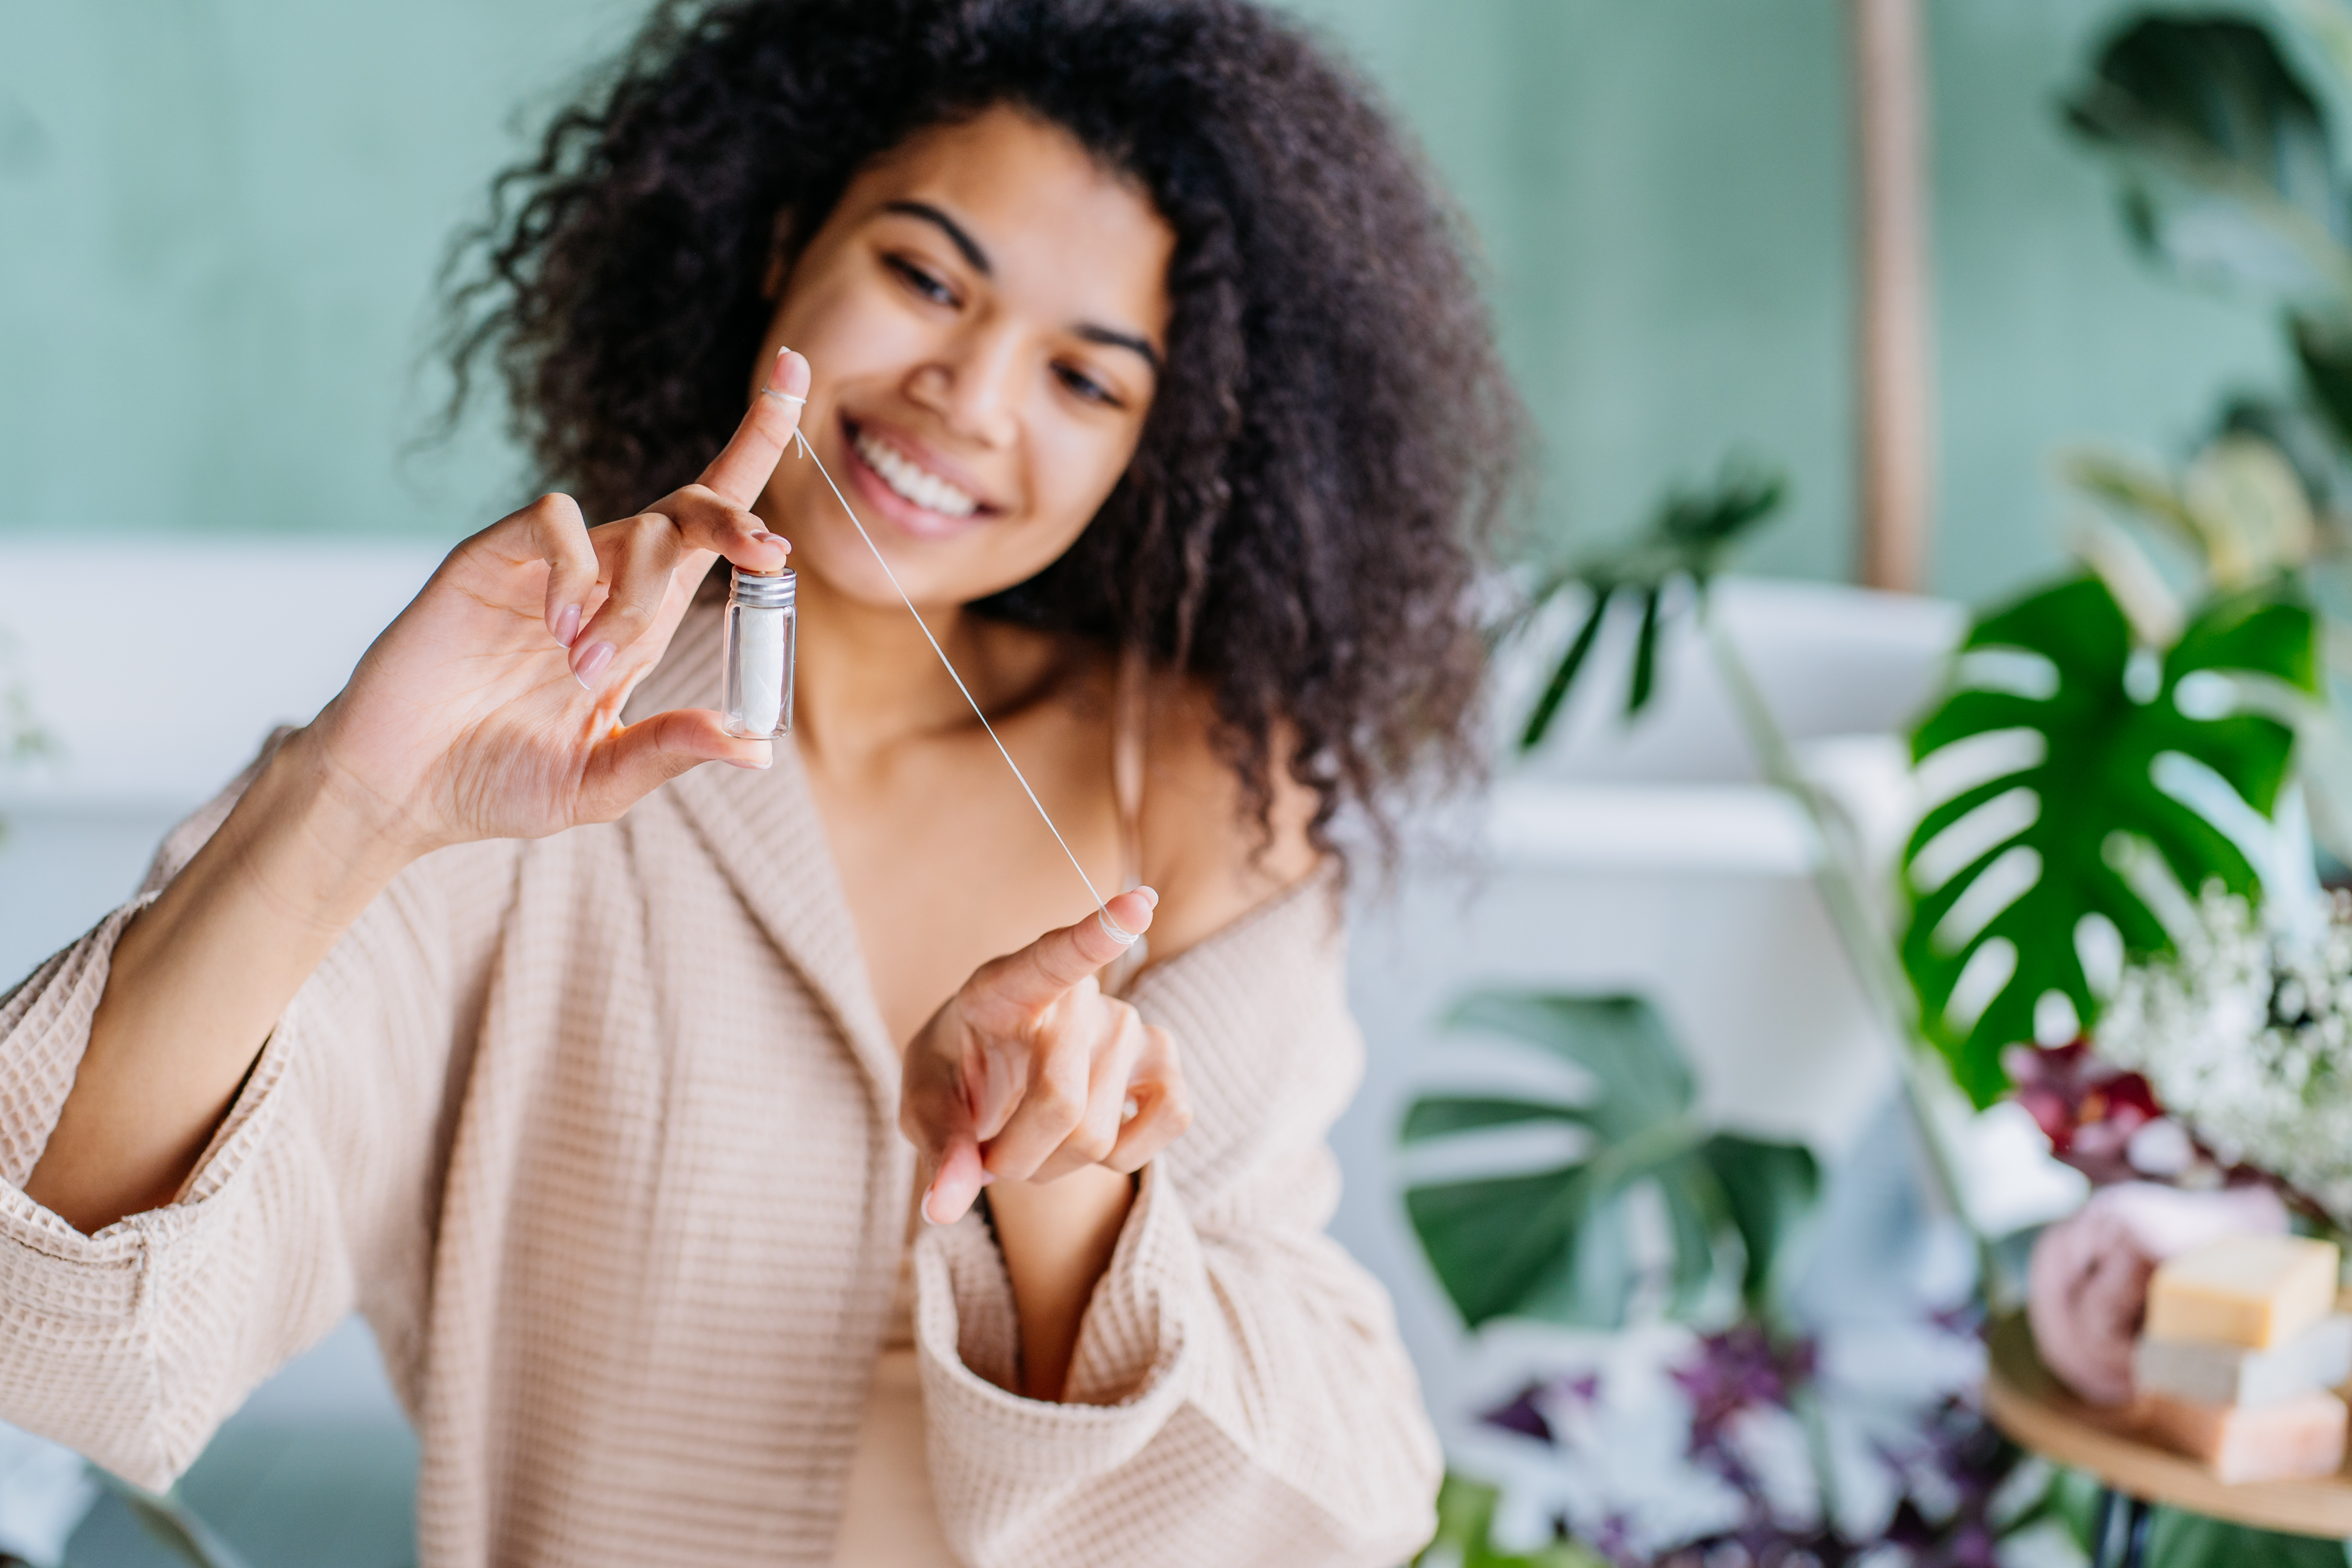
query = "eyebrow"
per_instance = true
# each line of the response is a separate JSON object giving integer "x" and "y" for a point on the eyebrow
{"x": 973, "y": 254}
{"x": 977, "y": 259}
{"x": 1117, "y": 340}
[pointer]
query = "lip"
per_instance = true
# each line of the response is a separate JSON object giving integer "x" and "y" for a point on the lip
{"x": 876, "y": 495}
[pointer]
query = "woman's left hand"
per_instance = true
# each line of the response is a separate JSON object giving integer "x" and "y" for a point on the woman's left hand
{"x": 1030, "y": 1072}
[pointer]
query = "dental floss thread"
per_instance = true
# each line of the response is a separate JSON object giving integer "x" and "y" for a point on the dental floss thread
{"x": 1111, "y": 928}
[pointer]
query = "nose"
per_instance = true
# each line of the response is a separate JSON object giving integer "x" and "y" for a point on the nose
{"x": 971, "y": 385}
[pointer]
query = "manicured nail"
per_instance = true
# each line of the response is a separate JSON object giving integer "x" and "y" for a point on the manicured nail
{"x": 590, "y": 665}
{"x": 1150, "y": 895}
{"x": 988, "y": 1178}
{"x": 567, "y": 625}
{"x": 776, "y": 373}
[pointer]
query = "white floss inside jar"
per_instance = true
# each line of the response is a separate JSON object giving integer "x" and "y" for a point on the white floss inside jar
{"x": 762, "y": 627}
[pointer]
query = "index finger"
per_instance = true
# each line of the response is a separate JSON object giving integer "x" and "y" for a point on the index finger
{"x": 1040, "y": 973}
{"x": 740, "y": 471}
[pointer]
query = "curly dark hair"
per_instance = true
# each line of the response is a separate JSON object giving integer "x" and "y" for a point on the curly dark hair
{"x": 1333, "y": 438}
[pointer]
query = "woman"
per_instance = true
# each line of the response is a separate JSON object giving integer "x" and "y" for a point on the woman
{"x": 1155, "y": 371}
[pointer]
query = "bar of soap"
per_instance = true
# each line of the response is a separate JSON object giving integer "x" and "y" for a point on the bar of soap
{"x": 2252, "y": 1291}
{"x": 2206, "y": 1372}
{"x": 2294, "y": 1441}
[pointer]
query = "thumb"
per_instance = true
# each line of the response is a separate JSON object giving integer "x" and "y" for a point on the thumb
{"x": 955, "y": 1186}
{"x": 632, "y": 762}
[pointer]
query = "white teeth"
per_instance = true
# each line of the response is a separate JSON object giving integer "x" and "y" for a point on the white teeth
{"x": 911, "y": 479}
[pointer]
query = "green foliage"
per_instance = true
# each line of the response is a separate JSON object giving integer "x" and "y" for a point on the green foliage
{"x": 2229, "y": 173}
{"x": 1556, "y": 1243}
{"x": 2179, "y": 1539}
{"x": 2093, "y": 783}
{"x": 1465, "y": 1521}
{"x": 1687, "y": 539}
{"x": 2230, "y": 176}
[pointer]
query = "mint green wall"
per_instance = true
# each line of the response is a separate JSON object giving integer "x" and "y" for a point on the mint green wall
{"x": 219, "y": 220}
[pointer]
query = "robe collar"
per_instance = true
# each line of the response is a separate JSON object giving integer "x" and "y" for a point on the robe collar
{"x": 763, "y": 828}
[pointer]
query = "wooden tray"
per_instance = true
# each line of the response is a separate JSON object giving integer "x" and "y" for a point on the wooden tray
{"x": 2038, "y": 1412}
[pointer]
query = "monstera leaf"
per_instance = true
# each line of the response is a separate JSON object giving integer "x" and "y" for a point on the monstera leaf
{"x": 1556, "y": 1243}
{"x": 2230, "y": 174}
{"x": 2061, "y": 821}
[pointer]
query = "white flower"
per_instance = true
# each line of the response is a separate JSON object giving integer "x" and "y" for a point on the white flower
{"x": 2246, "y": 1036}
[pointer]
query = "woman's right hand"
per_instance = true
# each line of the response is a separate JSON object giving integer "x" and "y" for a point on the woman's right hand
{"x": 487, "y": 709}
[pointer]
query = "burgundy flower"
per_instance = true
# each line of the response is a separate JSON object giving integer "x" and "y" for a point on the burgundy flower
{"x": 2086, "y": 1108}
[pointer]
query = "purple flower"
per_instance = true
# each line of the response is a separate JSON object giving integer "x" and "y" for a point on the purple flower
{"x": 1521, "y": 1416}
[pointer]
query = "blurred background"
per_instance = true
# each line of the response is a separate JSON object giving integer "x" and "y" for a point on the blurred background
{"x": 220, "y": 224}
{"x": 222, "y": 221}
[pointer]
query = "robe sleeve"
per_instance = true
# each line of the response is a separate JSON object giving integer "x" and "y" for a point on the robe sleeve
{"x": 1238, "y": 1394}
{"x": 133, "y": 1345}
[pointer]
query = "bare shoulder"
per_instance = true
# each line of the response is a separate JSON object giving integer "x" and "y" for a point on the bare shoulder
{"x": 1204, "y": 849}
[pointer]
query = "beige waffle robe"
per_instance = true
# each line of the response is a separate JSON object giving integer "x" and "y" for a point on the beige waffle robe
{"x": 600, "y": 1133}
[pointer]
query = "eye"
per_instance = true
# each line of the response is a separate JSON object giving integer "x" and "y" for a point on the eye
{"x": 1086, "y": 386}
{"x": 922, "y": 282}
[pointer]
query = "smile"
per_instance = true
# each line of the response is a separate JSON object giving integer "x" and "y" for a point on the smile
{"x": 911, "y": 480}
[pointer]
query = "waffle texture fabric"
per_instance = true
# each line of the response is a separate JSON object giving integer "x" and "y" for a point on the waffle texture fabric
{"x": 600, "y": 1134}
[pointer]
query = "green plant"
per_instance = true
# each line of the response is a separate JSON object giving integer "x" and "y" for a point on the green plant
{"x": 1686, "y": 540}
{"x": 2101, "y": 710}
{"x": 2179, "y": 1539}
{"x": 1550, "y": 1244}
{"x": 2229, "y": 175}
{"x": 2231, "y": 178}
{"x": 1556, "y": 1244}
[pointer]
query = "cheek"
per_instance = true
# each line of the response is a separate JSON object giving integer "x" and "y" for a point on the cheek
{"x": 1074, "y": 465}
{"x": 845, "y": 328}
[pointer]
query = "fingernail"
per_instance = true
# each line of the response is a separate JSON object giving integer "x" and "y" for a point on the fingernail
{"x": 777, "y": 372}
{"x": 590, "y": 665}
{"x": 567, "y": 625}
{"x": 988, "y": 1178}
{"x": 1150, "y": 895}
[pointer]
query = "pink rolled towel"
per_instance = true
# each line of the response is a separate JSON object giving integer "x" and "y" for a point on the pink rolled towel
{"x": 2086, "y": 1288}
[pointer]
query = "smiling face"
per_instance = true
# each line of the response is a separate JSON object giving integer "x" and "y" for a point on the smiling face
{"x": 985, "y": 312}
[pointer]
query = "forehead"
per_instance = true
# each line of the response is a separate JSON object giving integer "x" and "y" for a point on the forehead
{"x": 1063, "y": 234}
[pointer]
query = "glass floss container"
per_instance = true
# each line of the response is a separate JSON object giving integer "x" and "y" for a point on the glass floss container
{"x": 762, "y": 627}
